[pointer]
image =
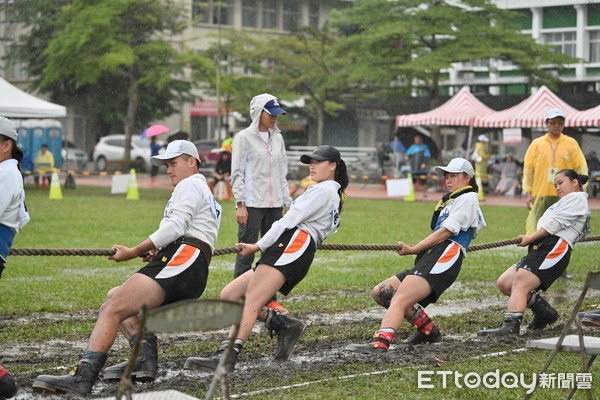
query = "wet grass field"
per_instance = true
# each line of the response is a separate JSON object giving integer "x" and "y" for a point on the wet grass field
{"x": 49, "y": 306}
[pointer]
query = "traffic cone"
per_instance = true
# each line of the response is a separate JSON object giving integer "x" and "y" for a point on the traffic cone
{"x": 70, "y": 181}
{"x": 55, "y": 192}
{"x": 132, "y": 188}
{"x": 480, "y": 185}
{"x": 411, "y": 189}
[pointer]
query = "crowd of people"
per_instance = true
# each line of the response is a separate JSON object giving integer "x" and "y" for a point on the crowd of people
{"x": 287, "y": 233}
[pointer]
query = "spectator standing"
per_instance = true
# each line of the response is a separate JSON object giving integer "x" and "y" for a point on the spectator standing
{"x": 398, "y": 154}
{"x": 44, "y": 163}
{"x": 546, "y": 156}
{"x": 154, "y": 149}
{"x": 228, "y": 143}
{"x": 481, "y": 158}
{"x": 258, "y": 176}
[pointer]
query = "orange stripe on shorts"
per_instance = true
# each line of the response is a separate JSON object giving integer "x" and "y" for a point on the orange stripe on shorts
{"x": 559, "y": 250}
{"x": 450, "y": 254}
{"x": 184, "y": 255}
{"x": 298, "y": 242}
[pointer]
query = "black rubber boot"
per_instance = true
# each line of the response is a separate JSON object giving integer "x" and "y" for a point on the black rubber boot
{"x": 543, "y": 313}
{"x": 379, "y": 344}
{"x": 80, "y": 380}
{"x": 510, "y": 326}
{"x": 211, "y": 363}
{"x": 146, "y": 363}
{"x": 288, "y": 331}
{"x": 8, "y": 386}
{"x": 419, "y": 337}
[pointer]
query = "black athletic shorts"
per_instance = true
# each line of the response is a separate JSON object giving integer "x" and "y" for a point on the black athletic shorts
{"x": 181, "y": 269}
{"x": 440, "y": 266}
{"x": 292, "y": 254}
{"x": 546, "y": 259}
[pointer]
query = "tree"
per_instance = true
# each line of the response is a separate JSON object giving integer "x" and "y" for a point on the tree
{"x": 299, "y": 65}
{"x": 119, "y": 55}
{"x": 402, "y": 44}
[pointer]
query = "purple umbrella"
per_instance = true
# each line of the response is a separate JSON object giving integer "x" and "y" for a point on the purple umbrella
{"x": 154, "y": 130}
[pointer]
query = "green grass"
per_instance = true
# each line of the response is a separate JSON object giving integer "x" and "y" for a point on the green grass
{"x": 338, "y": 282}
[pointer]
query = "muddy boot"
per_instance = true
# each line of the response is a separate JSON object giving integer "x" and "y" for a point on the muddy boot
{"x": 80, "y": 380}
{"x": 510, "y": 326}
{"x": 379, "y": 344}
{"x": 420, "y": 337}
{"x": 288, "y": 331}
{"x": 8, "y": 386}
{"x": 427, "y": 331}
{"x": 145, "y": 368}
{"x": 211, "y": 363}
{"x": 543, "y": 313}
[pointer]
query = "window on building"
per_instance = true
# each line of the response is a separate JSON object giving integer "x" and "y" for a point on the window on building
{"x": 201, "y": 10}
{"x": 565, "y": 42}
{"x": 291, "y": 15}
{"x": 222, "y": 12}
{"x": 483, "y": 62}
{"x": 217, "y": 12}
{"x": 313, "y": 13}
{"x": 594, "y": 46}
{"x": 249, "y": 13}
{"x": 269, "y": 14}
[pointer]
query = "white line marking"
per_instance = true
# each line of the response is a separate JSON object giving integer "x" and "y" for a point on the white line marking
{"x": 303, "y": 384}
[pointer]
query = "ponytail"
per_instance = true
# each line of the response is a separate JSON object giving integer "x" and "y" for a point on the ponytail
{"x": 341, "y": 177}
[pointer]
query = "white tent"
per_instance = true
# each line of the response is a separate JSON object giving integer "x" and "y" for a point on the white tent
{"x": 15, "y": 103}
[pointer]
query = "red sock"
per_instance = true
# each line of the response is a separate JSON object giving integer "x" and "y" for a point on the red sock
{"x": 383, "y": 338}
{"x": 422, "y": 321}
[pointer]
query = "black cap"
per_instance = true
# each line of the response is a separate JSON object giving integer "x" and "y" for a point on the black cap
{"x": 322, "y": 153}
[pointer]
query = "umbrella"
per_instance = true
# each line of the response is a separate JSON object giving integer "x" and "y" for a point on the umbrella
{"x": 154, "y": 130}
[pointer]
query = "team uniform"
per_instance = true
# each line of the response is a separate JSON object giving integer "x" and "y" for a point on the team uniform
{"x": 460, "y": 214}
{"x": 567, "y": 221}
{"x": 185, "y": 238}
{"x": 290, "y": 244}
{"x": 13, "y": 213}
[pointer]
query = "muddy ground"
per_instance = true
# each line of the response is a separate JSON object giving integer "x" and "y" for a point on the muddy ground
{"x": 320, "y": 351}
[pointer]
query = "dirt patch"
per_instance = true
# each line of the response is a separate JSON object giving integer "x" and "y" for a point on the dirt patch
{"x": 320, "y": 351}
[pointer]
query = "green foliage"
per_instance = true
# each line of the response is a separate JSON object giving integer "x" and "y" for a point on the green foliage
{"x": 120, "y": 58}
{"x": 406, "y": 41}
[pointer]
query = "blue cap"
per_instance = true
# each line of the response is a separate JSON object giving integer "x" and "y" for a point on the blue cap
{"x": 272, "y": 107}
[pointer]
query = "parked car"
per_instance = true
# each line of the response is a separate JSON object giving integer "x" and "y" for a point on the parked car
{"x": 73, "y": 156}
{"x": 112, "y": 147}
{"x": 205, "y": 148}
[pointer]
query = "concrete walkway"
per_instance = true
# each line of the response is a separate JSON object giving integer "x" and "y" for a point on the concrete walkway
{"x": 357, "y": 191}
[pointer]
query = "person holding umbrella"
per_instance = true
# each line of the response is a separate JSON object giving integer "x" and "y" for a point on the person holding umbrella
{"x": 152, "y": 132}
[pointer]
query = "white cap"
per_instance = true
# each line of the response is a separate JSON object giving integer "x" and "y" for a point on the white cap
{"x": 455, "y": 166}
{"x": 483, "y": 138}
{"x": 175, "y": 149}
{"x": 7, "y": 128}
{"x": 554, "y": 112}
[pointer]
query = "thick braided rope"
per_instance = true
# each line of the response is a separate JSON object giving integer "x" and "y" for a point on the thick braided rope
{"x": 237, "y": 249}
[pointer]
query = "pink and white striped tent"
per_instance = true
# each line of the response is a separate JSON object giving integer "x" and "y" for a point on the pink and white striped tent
{"x": 590, "y": 117}
{"x": 460, "y": 110}
{"x": 529, "y": 113}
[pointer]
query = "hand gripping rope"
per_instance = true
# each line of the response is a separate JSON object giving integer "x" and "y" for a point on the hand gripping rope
{"x": 237, "y": 249}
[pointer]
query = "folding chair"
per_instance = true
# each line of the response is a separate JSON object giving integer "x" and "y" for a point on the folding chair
{"x": 584, "y": 345}
{"x": 186, "y": 316}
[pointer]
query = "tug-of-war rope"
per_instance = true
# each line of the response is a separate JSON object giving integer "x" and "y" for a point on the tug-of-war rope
{"x": 237, "y": 249}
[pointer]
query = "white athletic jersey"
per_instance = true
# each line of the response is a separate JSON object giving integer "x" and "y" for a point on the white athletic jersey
{"x": 191, "y": 211}
{"x": 12, "y": 196}
{"x": 316, "y": 211}
{"x": 568, "y": 218}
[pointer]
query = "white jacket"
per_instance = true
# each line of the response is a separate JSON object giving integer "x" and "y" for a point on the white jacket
{"x": 316, "y": 212}
{"x": 191, "y": 211}
{"x": 568, "y": 218}
{"x": 259, "y": 168}
{"x": 12, "y": 196}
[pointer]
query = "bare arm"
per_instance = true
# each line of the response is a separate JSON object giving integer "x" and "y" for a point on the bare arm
{"x": 434, "y": 238}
